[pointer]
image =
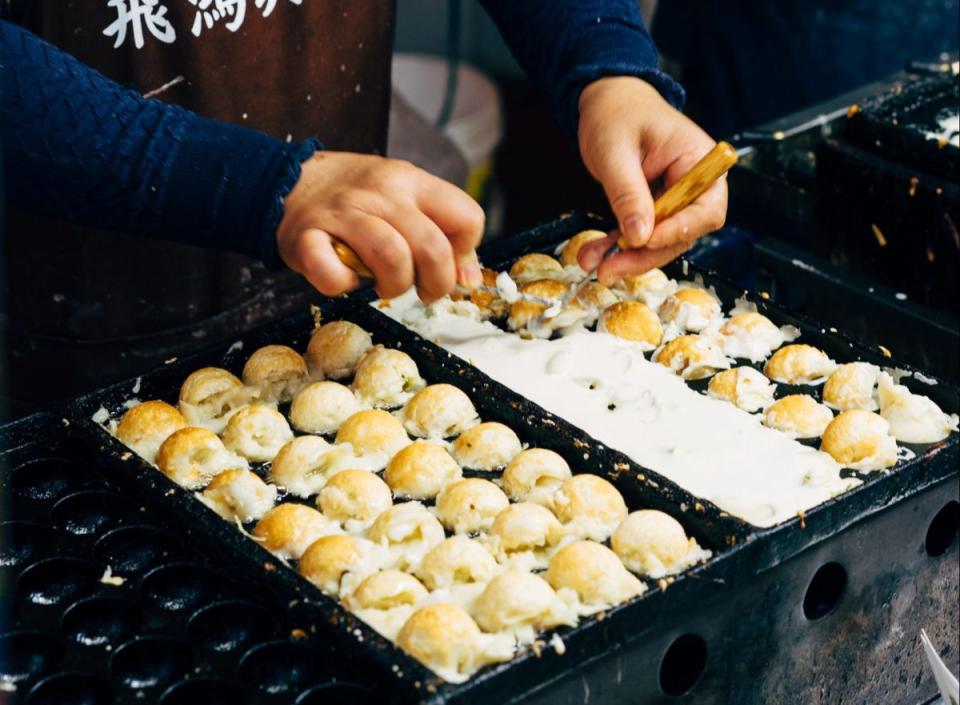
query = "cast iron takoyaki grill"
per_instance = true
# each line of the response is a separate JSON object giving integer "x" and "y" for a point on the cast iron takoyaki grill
{"x": 109, "y": 600}
{"x": 749, "y": 626}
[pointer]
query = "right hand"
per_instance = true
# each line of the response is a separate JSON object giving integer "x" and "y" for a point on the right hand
{"x": 409, "y": 227}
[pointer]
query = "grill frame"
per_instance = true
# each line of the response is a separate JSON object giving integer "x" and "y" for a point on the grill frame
{"x": 745, "y": 556}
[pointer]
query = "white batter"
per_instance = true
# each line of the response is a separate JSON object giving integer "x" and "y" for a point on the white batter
{"x": 606, "y": 387}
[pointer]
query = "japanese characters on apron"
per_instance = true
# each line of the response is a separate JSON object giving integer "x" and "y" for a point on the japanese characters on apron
{"x": 93, "y": 306}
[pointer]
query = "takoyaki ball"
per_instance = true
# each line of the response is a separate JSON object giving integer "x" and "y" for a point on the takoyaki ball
{"x": 534, "y": 475}
{"x": 592, "y": 296}
{"x": 651, "y": 288}
{"x": 386, "y": 590}
{"x": 335, "y": 348}
{"x": 445, "y": 638}
{"x": 523, "y": 312}
{"x": 192, "y": 457}
{"x": 589, "y": 506}
{"x": 457, "y": 560}
{"x": 798, "y": 415}
{"x": 525, "y": 528}
{"x": 654, "y": 544}
{"x": 421, "y": 470}
{"x": 289, "y": 528}
{"x": 354, "y": 496}
{"x": 470, "y": 505}
{"x": 373, "y": 432}
{"x": 209, "y": 396}
{"x": 146, "y": 426}
{"x": 387, "y": 378}
{"x": 337, "y": 564}
{"x": 852, "y": 386}
{"x": 743, "y": 387}
{"x": 408, "y": 531}
{"x": 301, "y": 466}
{"x": 861, "y": 440}
{"x": 799, "y": 364}
{"x": 535, "y": 266}
{"x": 690, "y": 309}
{"x": 568, "y": 257}
{"x": 520, "y": 602}
{"x": 239, "y": 495}
{"x": 633, "y": 321}
{"x": 322, "y": 407}
{"x": 691, "y": 357}
{"x": 257, "y": 433}
{"x": 750, "y": 336}
{"x": 488, "y": 300}
{"x": 594, "y": 573}
{"x": 913, "y": 418}
{"x": 276, "y": 371}
{"x": 439, "y": 411}
{"x": 486, "y": 446}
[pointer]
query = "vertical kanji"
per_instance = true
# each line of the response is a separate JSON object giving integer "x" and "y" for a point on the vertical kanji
{"x": 133, "y": 16}
{"x": 209, "y": 12}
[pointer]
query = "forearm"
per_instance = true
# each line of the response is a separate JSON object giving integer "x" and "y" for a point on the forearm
{"x": 564, "y": 45}
{"x": 82, "y": 148}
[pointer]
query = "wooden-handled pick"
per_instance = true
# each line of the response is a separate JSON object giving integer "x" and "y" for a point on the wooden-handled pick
{"x": 351, "y": 260}
{"x": 681, "y": 194}
{"x": 685, "y": 191}
{"x": 689, "y": 187}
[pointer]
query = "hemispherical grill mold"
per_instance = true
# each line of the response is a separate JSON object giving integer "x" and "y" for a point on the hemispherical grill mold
{"x": 340, "y": 694}
{"x": 57, "y": 581}
{"x": 91, "y": 512}
{"x": 71, "y": 689}
{"x": 135, "y": 549}
{"x": 281, "y": 667}
{"x": 228, "y": 626}
{"x": 149, "y": 662}
{"x": 180, "y": 586}
{"x": 23, "y": 542}
{"x": 101, "y": 621}
{"x": 47, "y": 479}
{"x": 209, "y": 691}
{"x": 25, "y": 654}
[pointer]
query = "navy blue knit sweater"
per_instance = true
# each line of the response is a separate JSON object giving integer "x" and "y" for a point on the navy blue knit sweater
{"x": 82, "y": 148}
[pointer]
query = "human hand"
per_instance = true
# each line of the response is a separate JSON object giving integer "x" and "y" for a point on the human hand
{"x": 409, "y": 227}
{"x": 630, "y": 136}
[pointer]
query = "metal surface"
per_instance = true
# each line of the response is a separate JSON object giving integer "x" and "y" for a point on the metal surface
{"x": 761, "y": 648}
{"x": 895, "y": 122}
{"x": 872, "y": 313}
{"x": 830, "y": 178}
{"x": 742, "y": 605}
{"x": 168, "y": 623}
{"x": 410, "y": 680}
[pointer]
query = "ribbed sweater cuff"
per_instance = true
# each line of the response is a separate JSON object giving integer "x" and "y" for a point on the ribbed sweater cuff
{"x": 611, "y": 48}
{"x": 228, "y": 182}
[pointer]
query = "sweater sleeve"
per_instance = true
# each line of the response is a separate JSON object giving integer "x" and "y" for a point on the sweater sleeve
{"x": 564, "y": 45}
{"x": 84, "y": 149}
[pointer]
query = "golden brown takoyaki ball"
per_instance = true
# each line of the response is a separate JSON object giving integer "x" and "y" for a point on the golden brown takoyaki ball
{"x": 535, "y": 266}
{"x": 632, "y": 320}
{"x": 276, "y": 371}
{"x": 335, "y": 348}
{"x": 144, "y": 427}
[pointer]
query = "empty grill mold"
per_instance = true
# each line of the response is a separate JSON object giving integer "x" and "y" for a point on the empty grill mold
{"x": 108, "y": 601}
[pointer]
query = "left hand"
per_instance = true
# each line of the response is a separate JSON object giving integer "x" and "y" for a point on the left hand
{"x": 629, "y": 136}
